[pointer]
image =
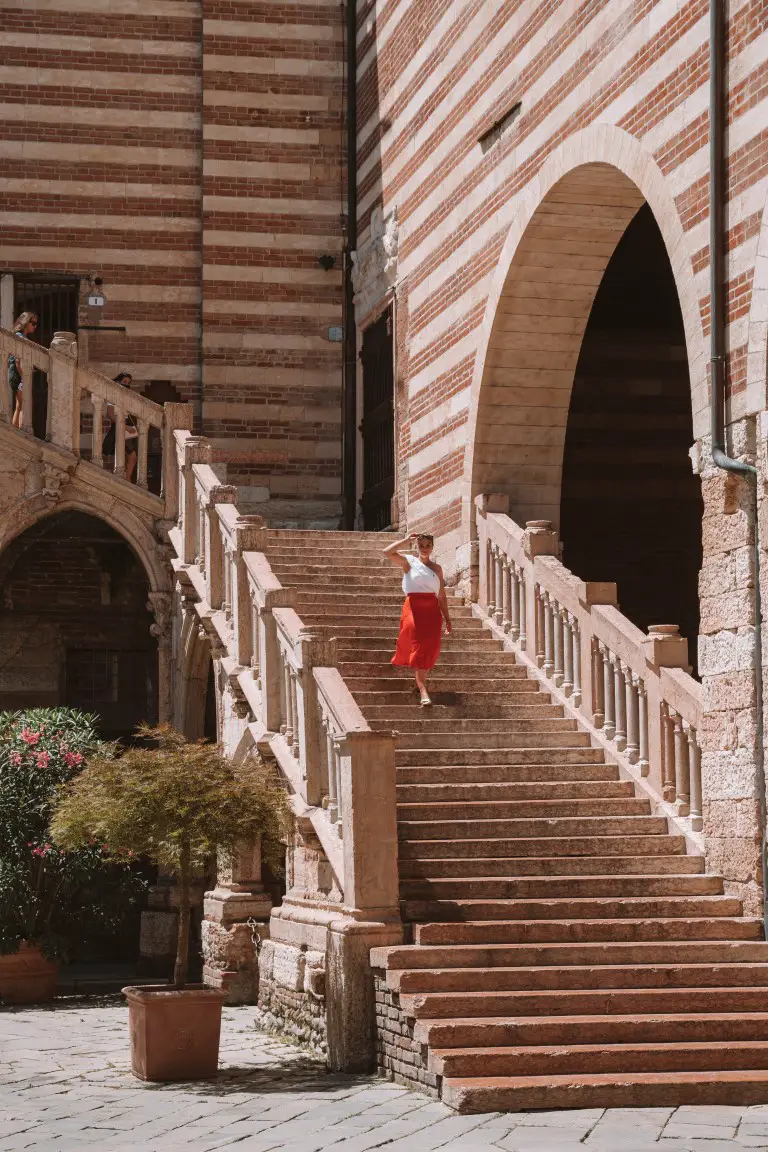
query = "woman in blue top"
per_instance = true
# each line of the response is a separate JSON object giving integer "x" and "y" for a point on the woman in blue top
{"x": 24, "y": 327}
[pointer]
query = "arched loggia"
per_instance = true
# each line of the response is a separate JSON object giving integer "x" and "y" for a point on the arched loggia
{"x": 76, "y": 625}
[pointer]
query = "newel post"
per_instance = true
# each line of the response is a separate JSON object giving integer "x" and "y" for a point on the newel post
{"x": 663, "y": 647}
{"x": 590, "y": 593}
{"x": 313, "y": 651}
{"x": 190, "y": 450}
{"x": 176, "y": 418}
{"x": 539, "y": 539}
{"x": 63, "y": 420}
{"x": 371, "y": 896}
{"x": 214, "y": 546}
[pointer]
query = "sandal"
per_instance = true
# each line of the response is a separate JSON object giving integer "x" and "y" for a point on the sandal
{"x": 424, "y": 701}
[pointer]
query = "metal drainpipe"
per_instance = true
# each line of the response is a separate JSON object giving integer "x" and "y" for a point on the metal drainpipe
{"x": 717, "y": 106}
{"x": 349, "y": 378}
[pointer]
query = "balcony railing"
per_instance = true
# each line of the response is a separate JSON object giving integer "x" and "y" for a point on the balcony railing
{"x": 76, "y": 401}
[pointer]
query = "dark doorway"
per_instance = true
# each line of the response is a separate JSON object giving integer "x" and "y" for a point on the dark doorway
{"x": 162, "y": 392}
{"x": 631, "y": 506}
{"x": 55, "y": 300}
{"x": 74, "y": 624}
{"x": 378, "y": 424}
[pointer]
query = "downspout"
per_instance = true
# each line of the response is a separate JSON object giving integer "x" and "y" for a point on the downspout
{"x": 717, "y": 322}
{"x": 349, "y": 377}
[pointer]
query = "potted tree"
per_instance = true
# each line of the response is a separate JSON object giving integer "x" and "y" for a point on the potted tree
{"x": 52, "y": 901}
{"x": 177, "y": 803}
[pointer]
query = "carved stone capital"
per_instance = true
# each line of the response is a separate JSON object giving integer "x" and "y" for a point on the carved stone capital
{"x": 160, "y": 604}
{"x": 374, "y": 265}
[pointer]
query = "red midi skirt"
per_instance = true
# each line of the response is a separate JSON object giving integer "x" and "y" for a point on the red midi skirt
{"x": 421, "y": 625}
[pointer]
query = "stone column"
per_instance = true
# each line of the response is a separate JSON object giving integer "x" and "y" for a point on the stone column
{"x": 730, "y": 761}
{"x": 159, "y": 603}
{"x": 235, "y": 912}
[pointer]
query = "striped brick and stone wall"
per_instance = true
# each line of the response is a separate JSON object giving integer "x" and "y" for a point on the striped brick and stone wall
{"x": 503, "y": 239}
{"x": 188, "y": 152}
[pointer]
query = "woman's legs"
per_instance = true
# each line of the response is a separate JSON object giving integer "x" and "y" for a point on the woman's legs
{"x": 420, "y": 675}
{"x": 16, "y": 421}
{"x": 130, "y": 464}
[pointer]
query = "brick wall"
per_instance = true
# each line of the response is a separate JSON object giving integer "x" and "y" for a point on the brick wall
{"x": 188, "y": 152}
{"x": 433, "y": 78}
{"x": 398, "y": 1056}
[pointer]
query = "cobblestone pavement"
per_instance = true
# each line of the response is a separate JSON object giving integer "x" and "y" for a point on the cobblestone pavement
{"x": 65, "y": 1084}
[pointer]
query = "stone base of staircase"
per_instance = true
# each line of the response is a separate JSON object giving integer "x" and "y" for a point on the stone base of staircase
{"x": 399, "y": 1056}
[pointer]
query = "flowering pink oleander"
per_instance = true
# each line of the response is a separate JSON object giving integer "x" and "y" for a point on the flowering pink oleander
{"x": 29, "y": 737}
{"x": 43, "y": 759}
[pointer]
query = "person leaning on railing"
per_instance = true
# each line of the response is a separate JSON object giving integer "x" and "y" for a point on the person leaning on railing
{"x": 24, "y": 327}
{"x": 131, "y": 431}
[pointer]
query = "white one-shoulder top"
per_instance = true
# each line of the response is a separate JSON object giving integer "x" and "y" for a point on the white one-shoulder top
{"x": 420, "y": 577}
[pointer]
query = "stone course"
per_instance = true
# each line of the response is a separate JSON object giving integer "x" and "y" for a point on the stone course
{"x": 65, "y": 1085}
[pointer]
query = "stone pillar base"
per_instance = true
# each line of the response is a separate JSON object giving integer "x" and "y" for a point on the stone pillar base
{"x": 230, "y": 957}
{"x": 351, "y": 1001}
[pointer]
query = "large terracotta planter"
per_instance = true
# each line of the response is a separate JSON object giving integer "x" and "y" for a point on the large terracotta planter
{"x": 26, "y": 977}
{"x": 174, "y": 1032}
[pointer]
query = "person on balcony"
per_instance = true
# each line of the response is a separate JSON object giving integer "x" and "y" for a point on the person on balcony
{"x": 425, "y": 608}
{"x": 131, "y": 431}
{"x": 25, "y": 327}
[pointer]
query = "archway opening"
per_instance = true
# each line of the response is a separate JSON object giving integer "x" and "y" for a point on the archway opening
{"x": 584, "y": 410}
{"x": 74, "y": 624}
{"x": 631, "y": 507}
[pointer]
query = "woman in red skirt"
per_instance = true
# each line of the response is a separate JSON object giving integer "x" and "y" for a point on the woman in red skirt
{"x": 425, "y": 608}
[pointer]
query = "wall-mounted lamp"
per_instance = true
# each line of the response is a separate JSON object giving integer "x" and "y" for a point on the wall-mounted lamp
{"x": 326, "y": 262}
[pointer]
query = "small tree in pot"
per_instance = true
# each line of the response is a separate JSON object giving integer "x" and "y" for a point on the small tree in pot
{"x": 178, "y": 803}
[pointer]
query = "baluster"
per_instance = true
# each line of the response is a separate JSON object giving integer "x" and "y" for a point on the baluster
{"x": 682, "y": 778}
{"x": 255, "y": 641}
{"x": 522, "y": 610}
{"x": 549, "y": 640}
{"x": 540, "y": 626}
{"x": 201, "y": 535}
{"x": 491, "y": 579}
{"x": 633, "y": 734}
{"x": 620, "y": 696}
{"x": 498, "y": 581}
{"x": 339, "y": 793}
{"x": 557, "y": 631}
{"x": 576, "y": 638}
{"x": 609, "y": 724}
{"x": 97, "y": 435}
{"x": 295, "y": 746}
{"x": 506, "y": 594}
{"x": 119, "y": 468}
{"x": 566, "y": 621}
{"x": 694, "y": 763}
{"x": 668, "y": 754}
{"x": 287, "y": 728}
{"x": 598, "y": 685}
{"x": 141, "y": 466}
{"x": 333, "y": 801}
{"x": 642, "y": 708}
{"x": 514, "y": 594}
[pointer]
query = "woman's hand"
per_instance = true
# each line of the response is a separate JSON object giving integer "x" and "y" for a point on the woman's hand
{"x": 448, "y": 627}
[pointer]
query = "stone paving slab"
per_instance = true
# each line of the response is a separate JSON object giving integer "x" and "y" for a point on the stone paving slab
{"x": 66, "y": 1086}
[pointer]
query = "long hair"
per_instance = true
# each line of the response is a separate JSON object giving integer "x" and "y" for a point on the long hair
{"x": 23, "y": 320}
{"x": 122, "y": 377}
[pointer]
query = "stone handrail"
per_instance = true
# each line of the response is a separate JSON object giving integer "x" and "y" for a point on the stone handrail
{"x": 341, "y": 773}
{"x": 74, "y": 391}
{"x": 634, "y": 689}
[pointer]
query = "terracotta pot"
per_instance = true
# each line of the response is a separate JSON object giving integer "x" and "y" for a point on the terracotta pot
{"x": 26, "y": 977}
{"x": 174, "y": 1032}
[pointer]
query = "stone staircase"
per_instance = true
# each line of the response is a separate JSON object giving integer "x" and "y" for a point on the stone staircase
{"x": 566, "y": 952}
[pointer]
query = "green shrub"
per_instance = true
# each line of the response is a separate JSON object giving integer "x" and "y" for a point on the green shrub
{"x": 52, "y": 896}
{"x": 177, "y": 803}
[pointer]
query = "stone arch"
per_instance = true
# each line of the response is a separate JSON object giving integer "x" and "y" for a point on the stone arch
{"x": 121, "y": 518}
{"x": 567, "y": 226}
{"x": 194, "y": 660}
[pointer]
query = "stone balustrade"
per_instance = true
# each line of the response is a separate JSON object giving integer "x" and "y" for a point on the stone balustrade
{"x": 632, "y": 688}
{"x": 76, "y": 400}
{"x": 340, "y": 772}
